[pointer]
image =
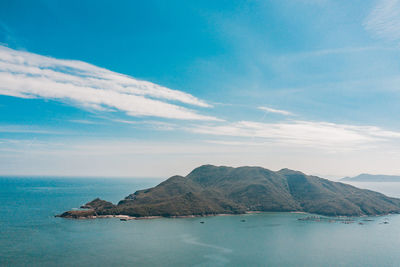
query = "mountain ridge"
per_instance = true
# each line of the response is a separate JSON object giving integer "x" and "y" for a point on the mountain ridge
{"x": 212, "y": 190}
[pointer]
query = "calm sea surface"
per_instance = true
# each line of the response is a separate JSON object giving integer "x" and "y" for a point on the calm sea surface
{"x": 30, "y": 235}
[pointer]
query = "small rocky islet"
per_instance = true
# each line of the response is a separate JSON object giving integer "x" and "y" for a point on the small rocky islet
{"x": 214, "y": 190}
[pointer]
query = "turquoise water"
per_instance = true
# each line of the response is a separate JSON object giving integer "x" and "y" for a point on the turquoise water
{"x": 31, "y": 236}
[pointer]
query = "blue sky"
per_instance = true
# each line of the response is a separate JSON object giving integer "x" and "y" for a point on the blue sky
{"x": 156, "y": 88}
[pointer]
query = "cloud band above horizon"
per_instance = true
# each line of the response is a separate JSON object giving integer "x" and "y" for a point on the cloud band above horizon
{"x": 28, "y": 75}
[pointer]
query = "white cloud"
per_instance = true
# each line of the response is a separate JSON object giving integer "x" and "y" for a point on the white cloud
{"x": 233, "y": 143}
{"x": 322, "y": 135}
{"x": 277, "y": 111}
{"x": 28, "y": 75}
{"x": 28, "y": 129}
{"x": 156, "y": 125}
{"x": 335, "y": 52}
{"x": 85, "y": 122}
{"x": 384, "y": 20}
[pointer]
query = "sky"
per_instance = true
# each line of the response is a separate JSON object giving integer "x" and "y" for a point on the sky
{"x": 157, "y": 88}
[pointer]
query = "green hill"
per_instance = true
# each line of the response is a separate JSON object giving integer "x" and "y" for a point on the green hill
{"x": 210, "y": 190}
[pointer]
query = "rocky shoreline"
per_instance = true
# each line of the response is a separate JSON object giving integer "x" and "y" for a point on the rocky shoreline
{"x": 79, "y": 215}
{"x": 309, "y": 217}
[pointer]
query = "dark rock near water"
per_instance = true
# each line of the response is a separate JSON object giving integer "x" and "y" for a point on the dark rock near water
{"x": 98, "y": 204}
{"x": 77, "y": 214}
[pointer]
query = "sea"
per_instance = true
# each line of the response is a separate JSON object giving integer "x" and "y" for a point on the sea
{"x": 30, "y": 235}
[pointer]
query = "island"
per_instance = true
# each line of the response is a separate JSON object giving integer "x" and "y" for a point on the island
{"x": 372, "y": 178}
{"x": 214, "y": 190}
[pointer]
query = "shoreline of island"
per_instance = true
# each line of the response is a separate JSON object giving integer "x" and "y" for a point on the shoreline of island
{"x": 128, "y": 217}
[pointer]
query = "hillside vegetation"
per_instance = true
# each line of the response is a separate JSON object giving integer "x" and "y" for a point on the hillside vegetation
{"x": 209, "y": 190}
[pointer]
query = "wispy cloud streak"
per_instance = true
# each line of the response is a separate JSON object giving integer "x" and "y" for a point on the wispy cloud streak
{"x": 276, "y": 111}
{"x": 28, "y": 75}
{"x": 303, "y": 133}
{"x": 384, "y": 20}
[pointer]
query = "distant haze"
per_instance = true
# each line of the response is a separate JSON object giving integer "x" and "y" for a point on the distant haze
{"x": 372, "y": 178}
